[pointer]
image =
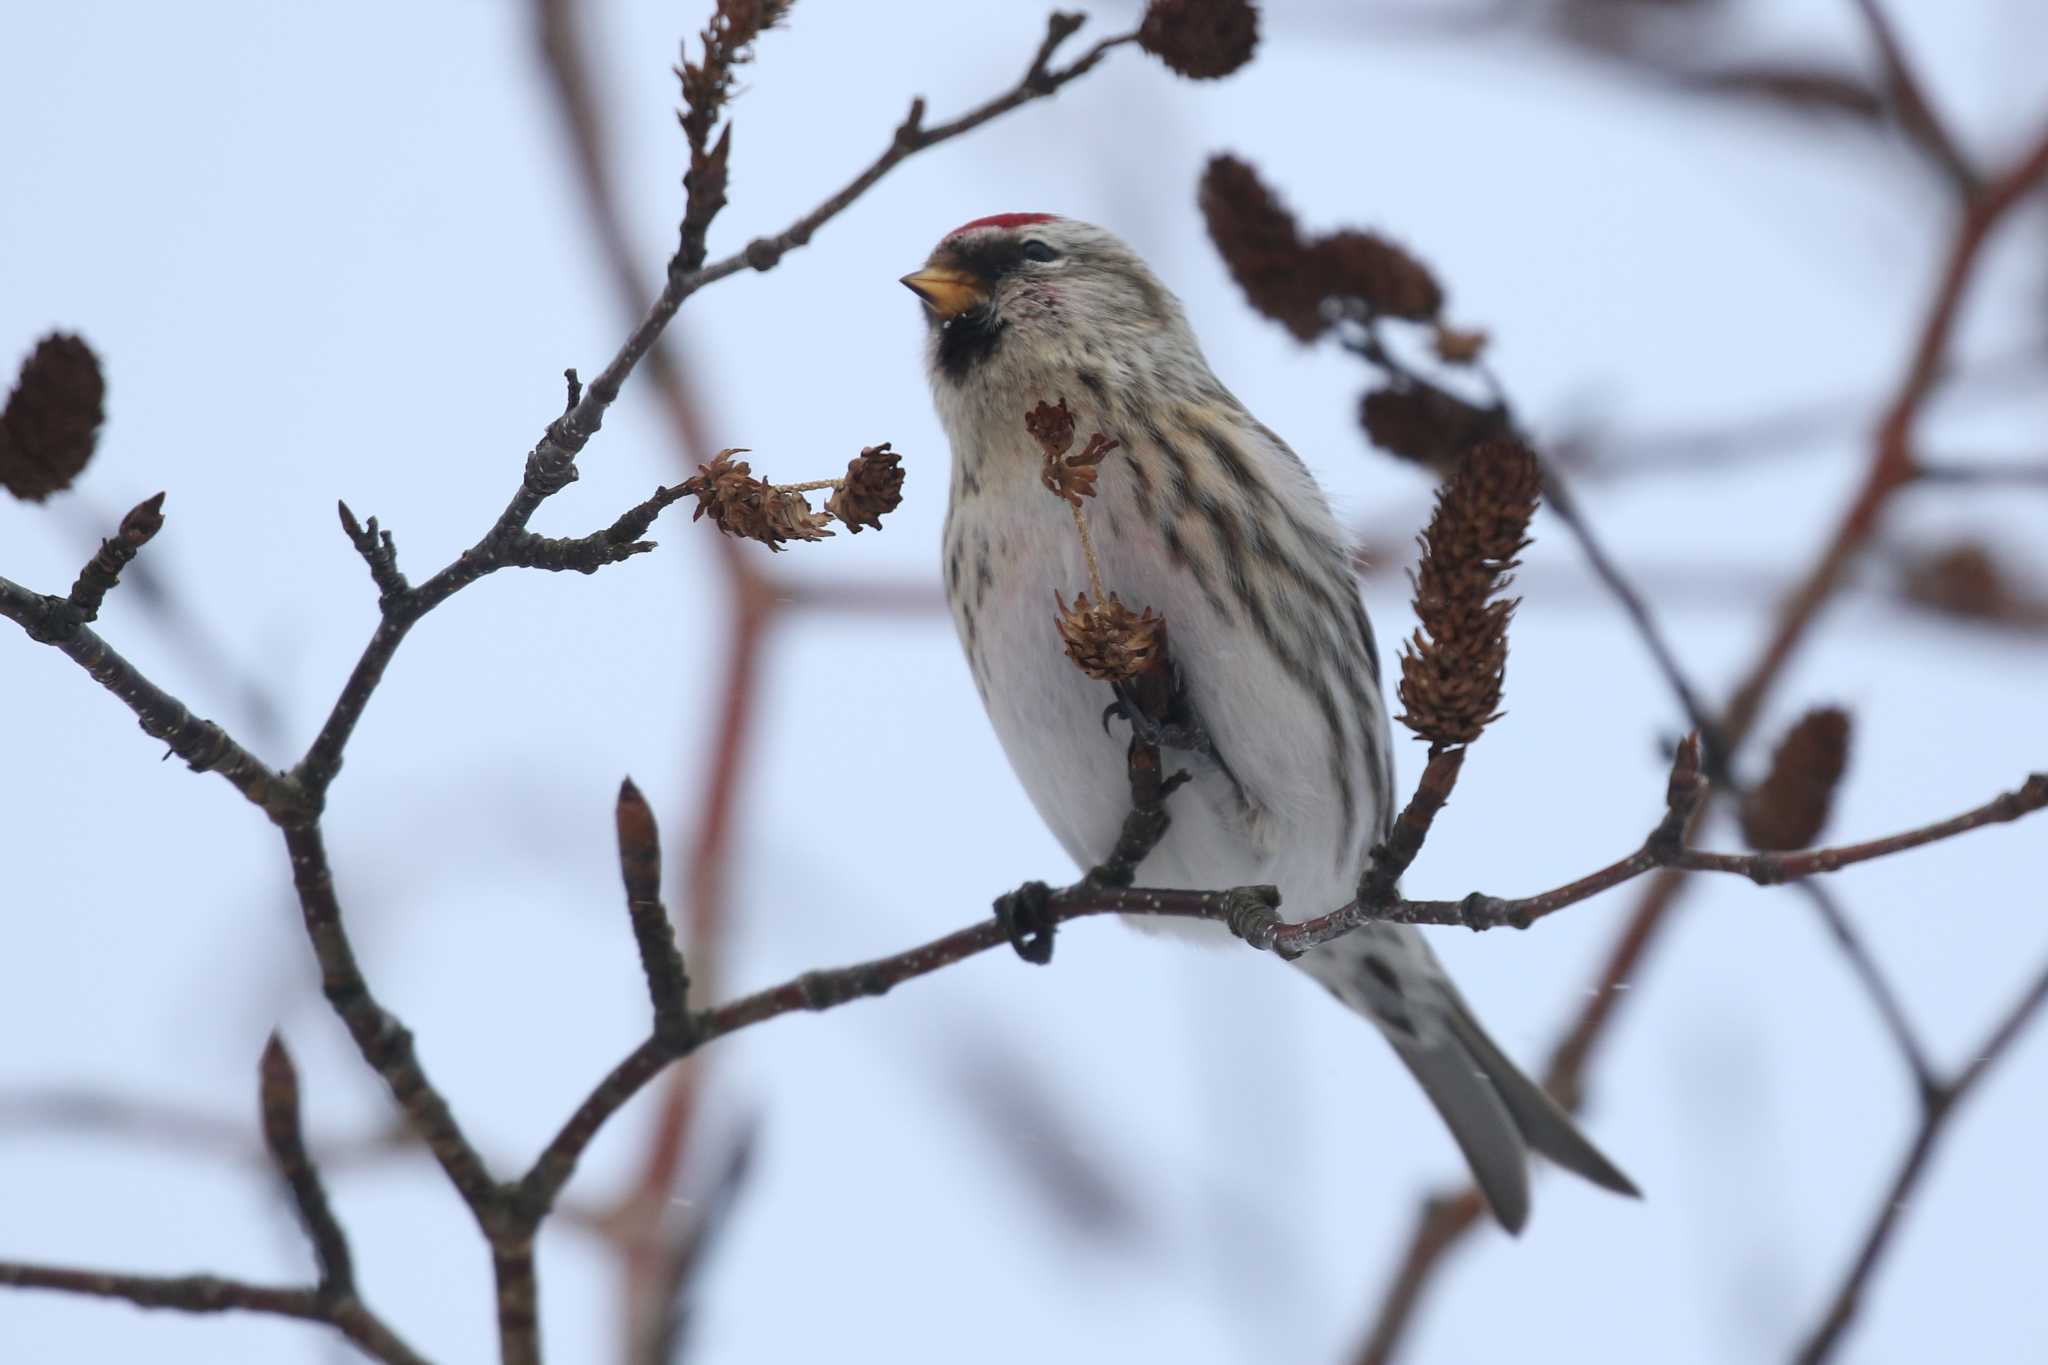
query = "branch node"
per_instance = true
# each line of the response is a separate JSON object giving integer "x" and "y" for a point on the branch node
{"x": 911, "y": 131}
{"x": 1249, "y": 912}
{"x": 1480, "y": 911}
{"x": 549, "y": 469}
{"x": 1059, "y": 26}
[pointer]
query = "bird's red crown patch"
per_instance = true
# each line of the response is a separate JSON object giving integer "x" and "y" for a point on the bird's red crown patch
{"x": 1003, "y": 220}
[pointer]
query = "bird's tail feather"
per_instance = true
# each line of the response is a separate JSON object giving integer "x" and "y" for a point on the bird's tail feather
{"x": 1542, "y": 1121}
{"x": 1498, "y": 1115}
{"x": 1483, "y": 1125}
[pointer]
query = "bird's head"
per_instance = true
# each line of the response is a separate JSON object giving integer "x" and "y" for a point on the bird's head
{"x": 1039, "y": 290}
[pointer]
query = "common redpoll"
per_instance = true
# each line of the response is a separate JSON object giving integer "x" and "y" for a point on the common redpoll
{"x": 1206, "y": 517}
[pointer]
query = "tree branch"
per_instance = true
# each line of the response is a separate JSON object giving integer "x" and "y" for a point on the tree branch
{"x": 1941, "y": 1108}
{"x": 384, "y": 1042}
{"x": 1248, "y": 911}
{"x": 1664, "y": 848}
{"x": 333, "y": 1300}
{"x": 287, "y": 1143}
{"x": 212, "y": 1294}
{"x": 1915, "y": 112}
{"x": 203, "y": 745}
{"x": 1984, "y": 473}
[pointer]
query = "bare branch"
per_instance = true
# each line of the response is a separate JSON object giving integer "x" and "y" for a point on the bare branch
{"x": 1941, "y": 1108}
{"x": 203, "y": 745}
{"x": 332, "y": 1301}
{"x": 1663, "y": 849}
{"x": 379, "y": 551}
{"x": 668, "y": 982}
{"x": 384, "y": 1042}
{"x": 103, "y": 571}
{"x": 1984, "y": 473}
{"x": 212, "y": 1294}
{"x": 287, "y": 1144}
{"x": 1915, "y": 113}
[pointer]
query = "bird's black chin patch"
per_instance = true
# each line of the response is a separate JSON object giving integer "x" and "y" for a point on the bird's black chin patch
{"x": 967, "y": 340}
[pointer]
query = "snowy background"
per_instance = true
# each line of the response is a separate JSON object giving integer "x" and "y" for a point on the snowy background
{"x": 338, "y": 251}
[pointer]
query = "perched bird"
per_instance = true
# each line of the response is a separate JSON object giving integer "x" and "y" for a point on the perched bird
{"x": 1209, "y": 519}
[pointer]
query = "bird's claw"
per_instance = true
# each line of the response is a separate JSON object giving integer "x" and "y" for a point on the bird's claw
{"x": 1176, "y": 731}
{"x": 1025, "y": 917}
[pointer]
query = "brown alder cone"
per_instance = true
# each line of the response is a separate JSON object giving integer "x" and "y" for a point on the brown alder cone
{"x": 1068, "y": 477}
{"x": 1262, "y": 244}
{"x": 742, "y": 505}
{"x": 872, "y": 488}
{"x": 1200, "y": 39}
{"x": 1428, "y": 426}
{"x": 1289, "y": 277}
{"x": 52, "y": 420}
{"x": 1366, "y": 266}
{"x": 1789, "y": 808}
{"x": 1110, "y": 641}
{"x": 1073, "y": 477}
{"x": 1453, "y": 666}
{"x": 1052, "y": 426}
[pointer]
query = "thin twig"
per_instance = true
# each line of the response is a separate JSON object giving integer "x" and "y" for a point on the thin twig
{"x": 333, "y": 1300}
{"x": 103, "y": 570}
{"x": 287, "y": 1143}
{"x": 1480, "y": 911}
{"x": 384, "y": 1042}
{"x": 213, "y": 1294}
{"x": 1883, "y": 995}
{"x": 204, "y": 746}
{"x": 1935, "y": 1120}
{"x": 1984, "y": 473}
{"x": 1915, "y": 112}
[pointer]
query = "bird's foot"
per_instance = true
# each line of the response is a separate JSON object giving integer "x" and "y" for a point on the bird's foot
{"x": 1025, "y": 916}
{"x": 1170, "y": 732}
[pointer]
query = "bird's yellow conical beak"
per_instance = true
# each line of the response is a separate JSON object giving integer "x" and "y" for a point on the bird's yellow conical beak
{"x": 946, "y": 291}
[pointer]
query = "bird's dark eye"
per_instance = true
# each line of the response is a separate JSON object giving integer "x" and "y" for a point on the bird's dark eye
{"x": 1035, "y": 250}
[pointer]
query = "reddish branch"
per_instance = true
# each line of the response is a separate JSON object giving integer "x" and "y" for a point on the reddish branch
{"x": 1445, "y": 1221}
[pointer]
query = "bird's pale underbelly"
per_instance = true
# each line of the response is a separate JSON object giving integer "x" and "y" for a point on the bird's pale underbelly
{"x": 1229, "y": 828}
